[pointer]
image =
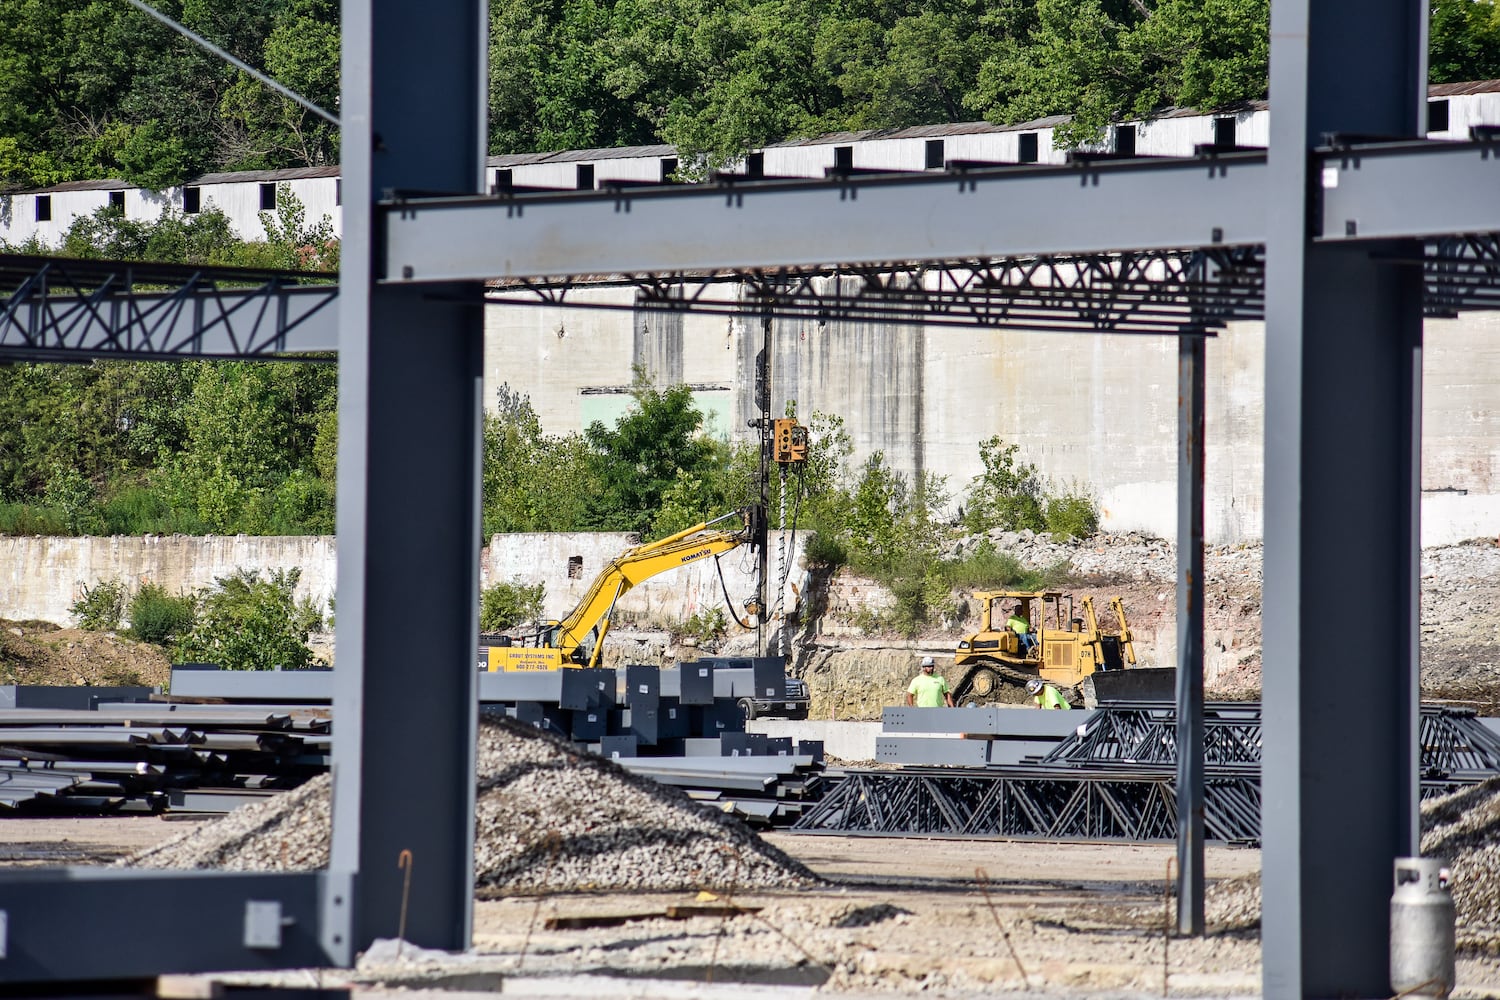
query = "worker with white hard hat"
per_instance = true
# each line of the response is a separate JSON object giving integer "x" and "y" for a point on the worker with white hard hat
{"x": 929, "y": 689}
{"x": 1044, "y": 695}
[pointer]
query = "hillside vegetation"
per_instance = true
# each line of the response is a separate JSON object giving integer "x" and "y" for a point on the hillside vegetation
{"x": 95, "y": 88}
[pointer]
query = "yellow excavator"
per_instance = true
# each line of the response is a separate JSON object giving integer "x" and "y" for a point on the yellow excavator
{"x": 578, "y": 639}
{"x": 1062, "y": 644}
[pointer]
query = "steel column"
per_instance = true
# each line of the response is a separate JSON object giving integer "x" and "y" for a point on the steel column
{"x": 1343, "y": 364}
{"x": 408, "y": 509}
{"x": 1190, "y": 381}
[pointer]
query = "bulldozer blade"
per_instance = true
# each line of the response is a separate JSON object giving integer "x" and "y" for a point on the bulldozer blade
{"x": 1138, "y": 684}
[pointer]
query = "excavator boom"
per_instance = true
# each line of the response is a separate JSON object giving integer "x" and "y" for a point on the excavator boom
{"x": 565, "y": 640}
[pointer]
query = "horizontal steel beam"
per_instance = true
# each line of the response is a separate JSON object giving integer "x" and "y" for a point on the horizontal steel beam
{"x": 1084, "y": 207}
{"x": 226, "y": 921}
{"x": 1408, "y": 189}
{"x": 195, "y": 322}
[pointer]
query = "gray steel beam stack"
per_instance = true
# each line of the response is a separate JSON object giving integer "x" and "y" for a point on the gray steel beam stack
{"x": 143, "y": 756}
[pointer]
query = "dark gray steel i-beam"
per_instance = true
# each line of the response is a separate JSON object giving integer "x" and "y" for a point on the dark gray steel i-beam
{"x": 1191, "y": 358}
{"x": 1010, "y": 211}
{"x": 1343, "y": 370}
{"x": 410, "y": 369}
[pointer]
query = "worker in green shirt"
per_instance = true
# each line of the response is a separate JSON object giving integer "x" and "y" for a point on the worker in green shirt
{"x": 1021, "y": 626}
{"x": 928, "y": 689}
{"x": 1044, "y": 695}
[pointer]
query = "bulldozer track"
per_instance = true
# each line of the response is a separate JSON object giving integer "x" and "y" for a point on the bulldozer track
{"x": 1003, "y": 670}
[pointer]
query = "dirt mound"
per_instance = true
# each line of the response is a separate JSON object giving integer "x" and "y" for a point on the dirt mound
{"x": 548, "y": 819}
{"x": 34, "y": 652}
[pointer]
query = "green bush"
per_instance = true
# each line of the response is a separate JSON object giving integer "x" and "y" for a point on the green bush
{"x": 506, "y": 605}
{"x": 1072, "y": 515}
{"x": 1007, "y": 495}
{"x": 101, "y": 606}
{"x": 987, "y": 569}
{"x": 824, "y": 548}
{"x": 29, "y": 519}
{"x": 246, "y": 623}
{"x": 706, "y": 625}
{"x": 160, "y": 618}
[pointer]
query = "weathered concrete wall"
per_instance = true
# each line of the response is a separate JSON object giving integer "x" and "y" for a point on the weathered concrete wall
{"x": 667, "y": 599}
{"x": 1096, "y": 411}
{"x": 44, "y": 576}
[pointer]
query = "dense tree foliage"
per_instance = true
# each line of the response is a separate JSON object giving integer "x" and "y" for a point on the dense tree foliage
{"x": 96, "y": 88}
{"x": 92, "y": 88}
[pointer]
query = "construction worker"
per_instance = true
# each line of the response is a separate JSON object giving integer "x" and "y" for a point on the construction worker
{"x": 1021, "y": 626}
{"x": 928, "y": 689}
{"x": 1044, "y": 695}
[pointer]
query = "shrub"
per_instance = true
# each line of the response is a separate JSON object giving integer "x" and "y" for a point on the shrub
{"x": 508, "y": 604}
{"x": 1072, "y": 515}
{"x": 707, "y": 625}
{"x": 1008, "y": 494}
{"x": 101, "y": 606}
{"x": 987, "y": 569}
{"x": 824, "y": 548}
{"x": 246, "y": 623}
{"x": 160, "y": 618}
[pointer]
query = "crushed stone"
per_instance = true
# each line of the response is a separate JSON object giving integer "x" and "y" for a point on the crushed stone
{"x": 1462, "y": 828}
{"x": 548, "y": 819}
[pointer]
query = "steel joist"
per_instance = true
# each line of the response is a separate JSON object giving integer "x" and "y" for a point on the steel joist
{"x": 65, "y": 309}
{"x": 1045, "y": 803}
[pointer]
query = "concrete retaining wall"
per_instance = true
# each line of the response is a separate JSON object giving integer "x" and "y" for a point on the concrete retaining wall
{"x": 43, "y": 576}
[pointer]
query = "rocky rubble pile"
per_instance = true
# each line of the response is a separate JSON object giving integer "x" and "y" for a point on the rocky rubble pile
{"x": 1114, "y": 557}
{"x": 1462, "y": 828}
{"x": 548, "y": 819}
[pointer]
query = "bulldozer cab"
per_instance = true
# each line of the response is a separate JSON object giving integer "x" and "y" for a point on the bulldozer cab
{"x": 1038, "y": 634}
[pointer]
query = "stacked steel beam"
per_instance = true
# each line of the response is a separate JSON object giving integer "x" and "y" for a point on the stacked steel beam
{"x": 146, "y": 756}
{"x": 1111, "y": 777}
{"x": 227, "y": 737}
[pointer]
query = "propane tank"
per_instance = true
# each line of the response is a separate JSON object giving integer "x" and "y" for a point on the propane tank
{"x": 1422, "y": 929}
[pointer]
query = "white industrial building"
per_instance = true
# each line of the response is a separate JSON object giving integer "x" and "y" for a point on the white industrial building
{"x": 1098, "y": 411}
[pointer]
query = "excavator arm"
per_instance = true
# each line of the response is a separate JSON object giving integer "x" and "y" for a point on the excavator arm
{"x": 616, "y": 579}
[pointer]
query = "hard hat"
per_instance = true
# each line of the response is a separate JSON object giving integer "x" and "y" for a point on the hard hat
{"x": 1033, "y": 686}
{"x": 927, "y": 661}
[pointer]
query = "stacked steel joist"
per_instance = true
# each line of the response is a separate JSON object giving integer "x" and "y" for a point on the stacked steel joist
{"x": 1111, "y": 777}
{"x": 111, "y": 750}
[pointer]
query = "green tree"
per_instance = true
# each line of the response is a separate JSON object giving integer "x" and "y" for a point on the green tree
{"x": 1465, "y": 41}
{"x": 530, "y": 481}
{"x": 1098, "y": 60}
{"x": 633, "y": 465}
{"x": 247, "y": 623}
{"x": 1008, "y": 494}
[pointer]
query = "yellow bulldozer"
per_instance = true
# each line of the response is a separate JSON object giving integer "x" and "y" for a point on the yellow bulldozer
{"x": 1028, "y": 634}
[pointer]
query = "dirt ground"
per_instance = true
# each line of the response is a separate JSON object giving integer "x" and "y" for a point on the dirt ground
{"x": 42, "y": 653}
{"x": 940, "y": 917}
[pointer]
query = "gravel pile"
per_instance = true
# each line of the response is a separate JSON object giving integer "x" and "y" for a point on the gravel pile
{"x": 1462, "y": 828}
{"x": 548, "y": 819}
